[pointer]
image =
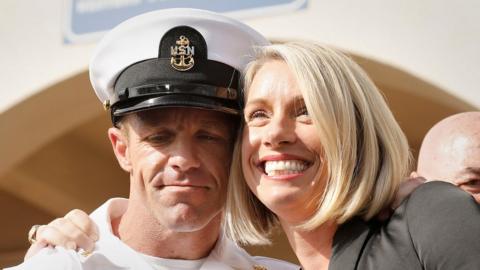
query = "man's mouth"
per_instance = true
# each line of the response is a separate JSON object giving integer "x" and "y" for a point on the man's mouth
{"x": 284, "y": 167}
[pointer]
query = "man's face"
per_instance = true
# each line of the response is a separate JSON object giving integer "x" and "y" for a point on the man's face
{"x": 178, "y": 160}
{"x": 454, "y": 158}
{"x": 462, "y": 163}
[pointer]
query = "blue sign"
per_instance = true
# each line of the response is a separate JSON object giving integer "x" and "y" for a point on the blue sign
{"x": 89, "y": 19}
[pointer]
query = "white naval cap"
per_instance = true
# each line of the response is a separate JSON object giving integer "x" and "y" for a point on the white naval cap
{"x": 173, "y": 57}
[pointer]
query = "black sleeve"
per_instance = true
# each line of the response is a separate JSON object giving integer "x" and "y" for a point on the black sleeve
{"x": 444, "y": 225}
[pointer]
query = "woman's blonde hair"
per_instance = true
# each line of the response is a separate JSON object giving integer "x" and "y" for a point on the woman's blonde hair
{"x": 366, "y": 152}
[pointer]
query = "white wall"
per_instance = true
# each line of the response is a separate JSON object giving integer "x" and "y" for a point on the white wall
{"x": 437, "y": 41}
{"x": 32, "y": 51}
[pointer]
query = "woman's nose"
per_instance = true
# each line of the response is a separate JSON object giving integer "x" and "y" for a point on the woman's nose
{"x": 280, "y": 131}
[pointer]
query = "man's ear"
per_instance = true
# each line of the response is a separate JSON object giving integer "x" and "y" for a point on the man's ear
{"x": 119, "y": 141}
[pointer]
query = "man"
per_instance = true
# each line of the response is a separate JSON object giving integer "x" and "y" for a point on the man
{"x": 451, "y": 152}
{"x": 170, "y": 79}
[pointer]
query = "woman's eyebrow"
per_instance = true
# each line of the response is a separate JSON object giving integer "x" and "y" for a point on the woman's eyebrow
{"x": 255, "y": 101}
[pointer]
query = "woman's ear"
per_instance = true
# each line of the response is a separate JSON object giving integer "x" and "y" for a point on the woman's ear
{"x": 119, "y": 141}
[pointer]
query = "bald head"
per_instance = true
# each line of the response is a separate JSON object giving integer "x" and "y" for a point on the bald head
{"x": 451, "y": 152}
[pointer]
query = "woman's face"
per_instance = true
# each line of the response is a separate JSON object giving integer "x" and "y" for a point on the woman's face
{"x": 281, "y": 150}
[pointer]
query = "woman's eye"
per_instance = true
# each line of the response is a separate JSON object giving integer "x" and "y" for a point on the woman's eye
{"x": 302, "y": 111}
{"x": 257, "y": 114}
{"x": 303, "y": 116}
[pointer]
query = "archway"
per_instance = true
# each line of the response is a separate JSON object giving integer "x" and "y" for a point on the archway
{"x": 55, "y": 155}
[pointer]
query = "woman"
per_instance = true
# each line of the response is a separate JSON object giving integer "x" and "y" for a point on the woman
{"x": 320, "y": 155}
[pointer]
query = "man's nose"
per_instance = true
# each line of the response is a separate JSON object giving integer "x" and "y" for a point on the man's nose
{"x": 183, "y": 156}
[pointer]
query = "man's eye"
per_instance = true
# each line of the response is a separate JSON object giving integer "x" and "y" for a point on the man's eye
{"x": 473, "y": 182}
{"x": 160, "y": 137}
{"x": 209, "y": 137}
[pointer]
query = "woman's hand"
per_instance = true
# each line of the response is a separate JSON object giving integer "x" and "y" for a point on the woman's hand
{"x": 74, "y": 231}
{"x": 405, "y": 189}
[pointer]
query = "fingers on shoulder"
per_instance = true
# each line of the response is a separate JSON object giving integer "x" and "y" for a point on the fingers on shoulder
{"x": 81, "y": 220}
{"x": 51, "y": 235}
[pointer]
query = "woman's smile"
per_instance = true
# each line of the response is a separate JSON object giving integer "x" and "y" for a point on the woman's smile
{"x": 282, "y": 166}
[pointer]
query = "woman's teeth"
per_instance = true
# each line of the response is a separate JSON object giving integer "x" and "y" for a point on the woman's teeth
{"x": 284, "y": 167}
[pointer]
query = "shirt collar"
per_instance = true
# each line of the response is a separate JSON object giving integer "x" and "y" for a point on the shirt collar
{"x": 108, "y": 244}
{"x": 225, "y": 255}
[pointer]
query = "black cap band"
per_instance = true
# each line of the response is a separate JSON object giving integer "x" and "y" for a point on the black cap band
{"x": 158, "y": 71}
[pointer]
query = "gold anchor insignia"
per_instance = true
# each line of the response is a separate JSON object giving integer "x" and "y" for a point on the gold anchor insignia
{"x": 182, "y": 54}
{"x": 259, "y": 267}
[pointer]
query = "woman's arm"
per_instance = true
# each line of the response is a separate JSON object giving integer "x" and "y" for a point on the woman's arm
{"x": 74, "y": 231}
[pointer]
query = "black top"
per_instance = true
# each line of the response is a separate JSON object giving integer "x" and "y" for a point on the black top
{"x": 437, "y": 227}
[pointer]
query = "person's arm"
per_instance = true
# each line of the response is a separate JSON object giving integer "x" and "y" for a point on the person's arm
{"x": 51, "y": 259}
{"x": 444, "y": 224}
{"x": 405, "y": 189}
{"x": 74, "y": 231}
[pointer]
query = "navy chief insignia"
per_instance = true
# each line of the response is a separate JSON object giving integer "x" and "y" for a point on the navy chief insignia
{"x": 182, "y": 54}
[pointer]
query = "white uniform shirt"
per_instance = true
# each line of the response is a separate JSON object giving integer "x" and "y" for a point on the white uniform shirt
{"x": 112, "y": 254}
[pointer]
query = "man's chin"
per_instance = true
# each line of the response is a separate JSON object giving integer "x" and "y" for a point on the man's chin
{"x": 185, "y": 218}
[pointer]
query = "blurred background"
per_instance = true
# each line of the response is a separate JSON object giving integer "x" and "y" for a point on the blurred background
{"x": 54, "y": 152}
